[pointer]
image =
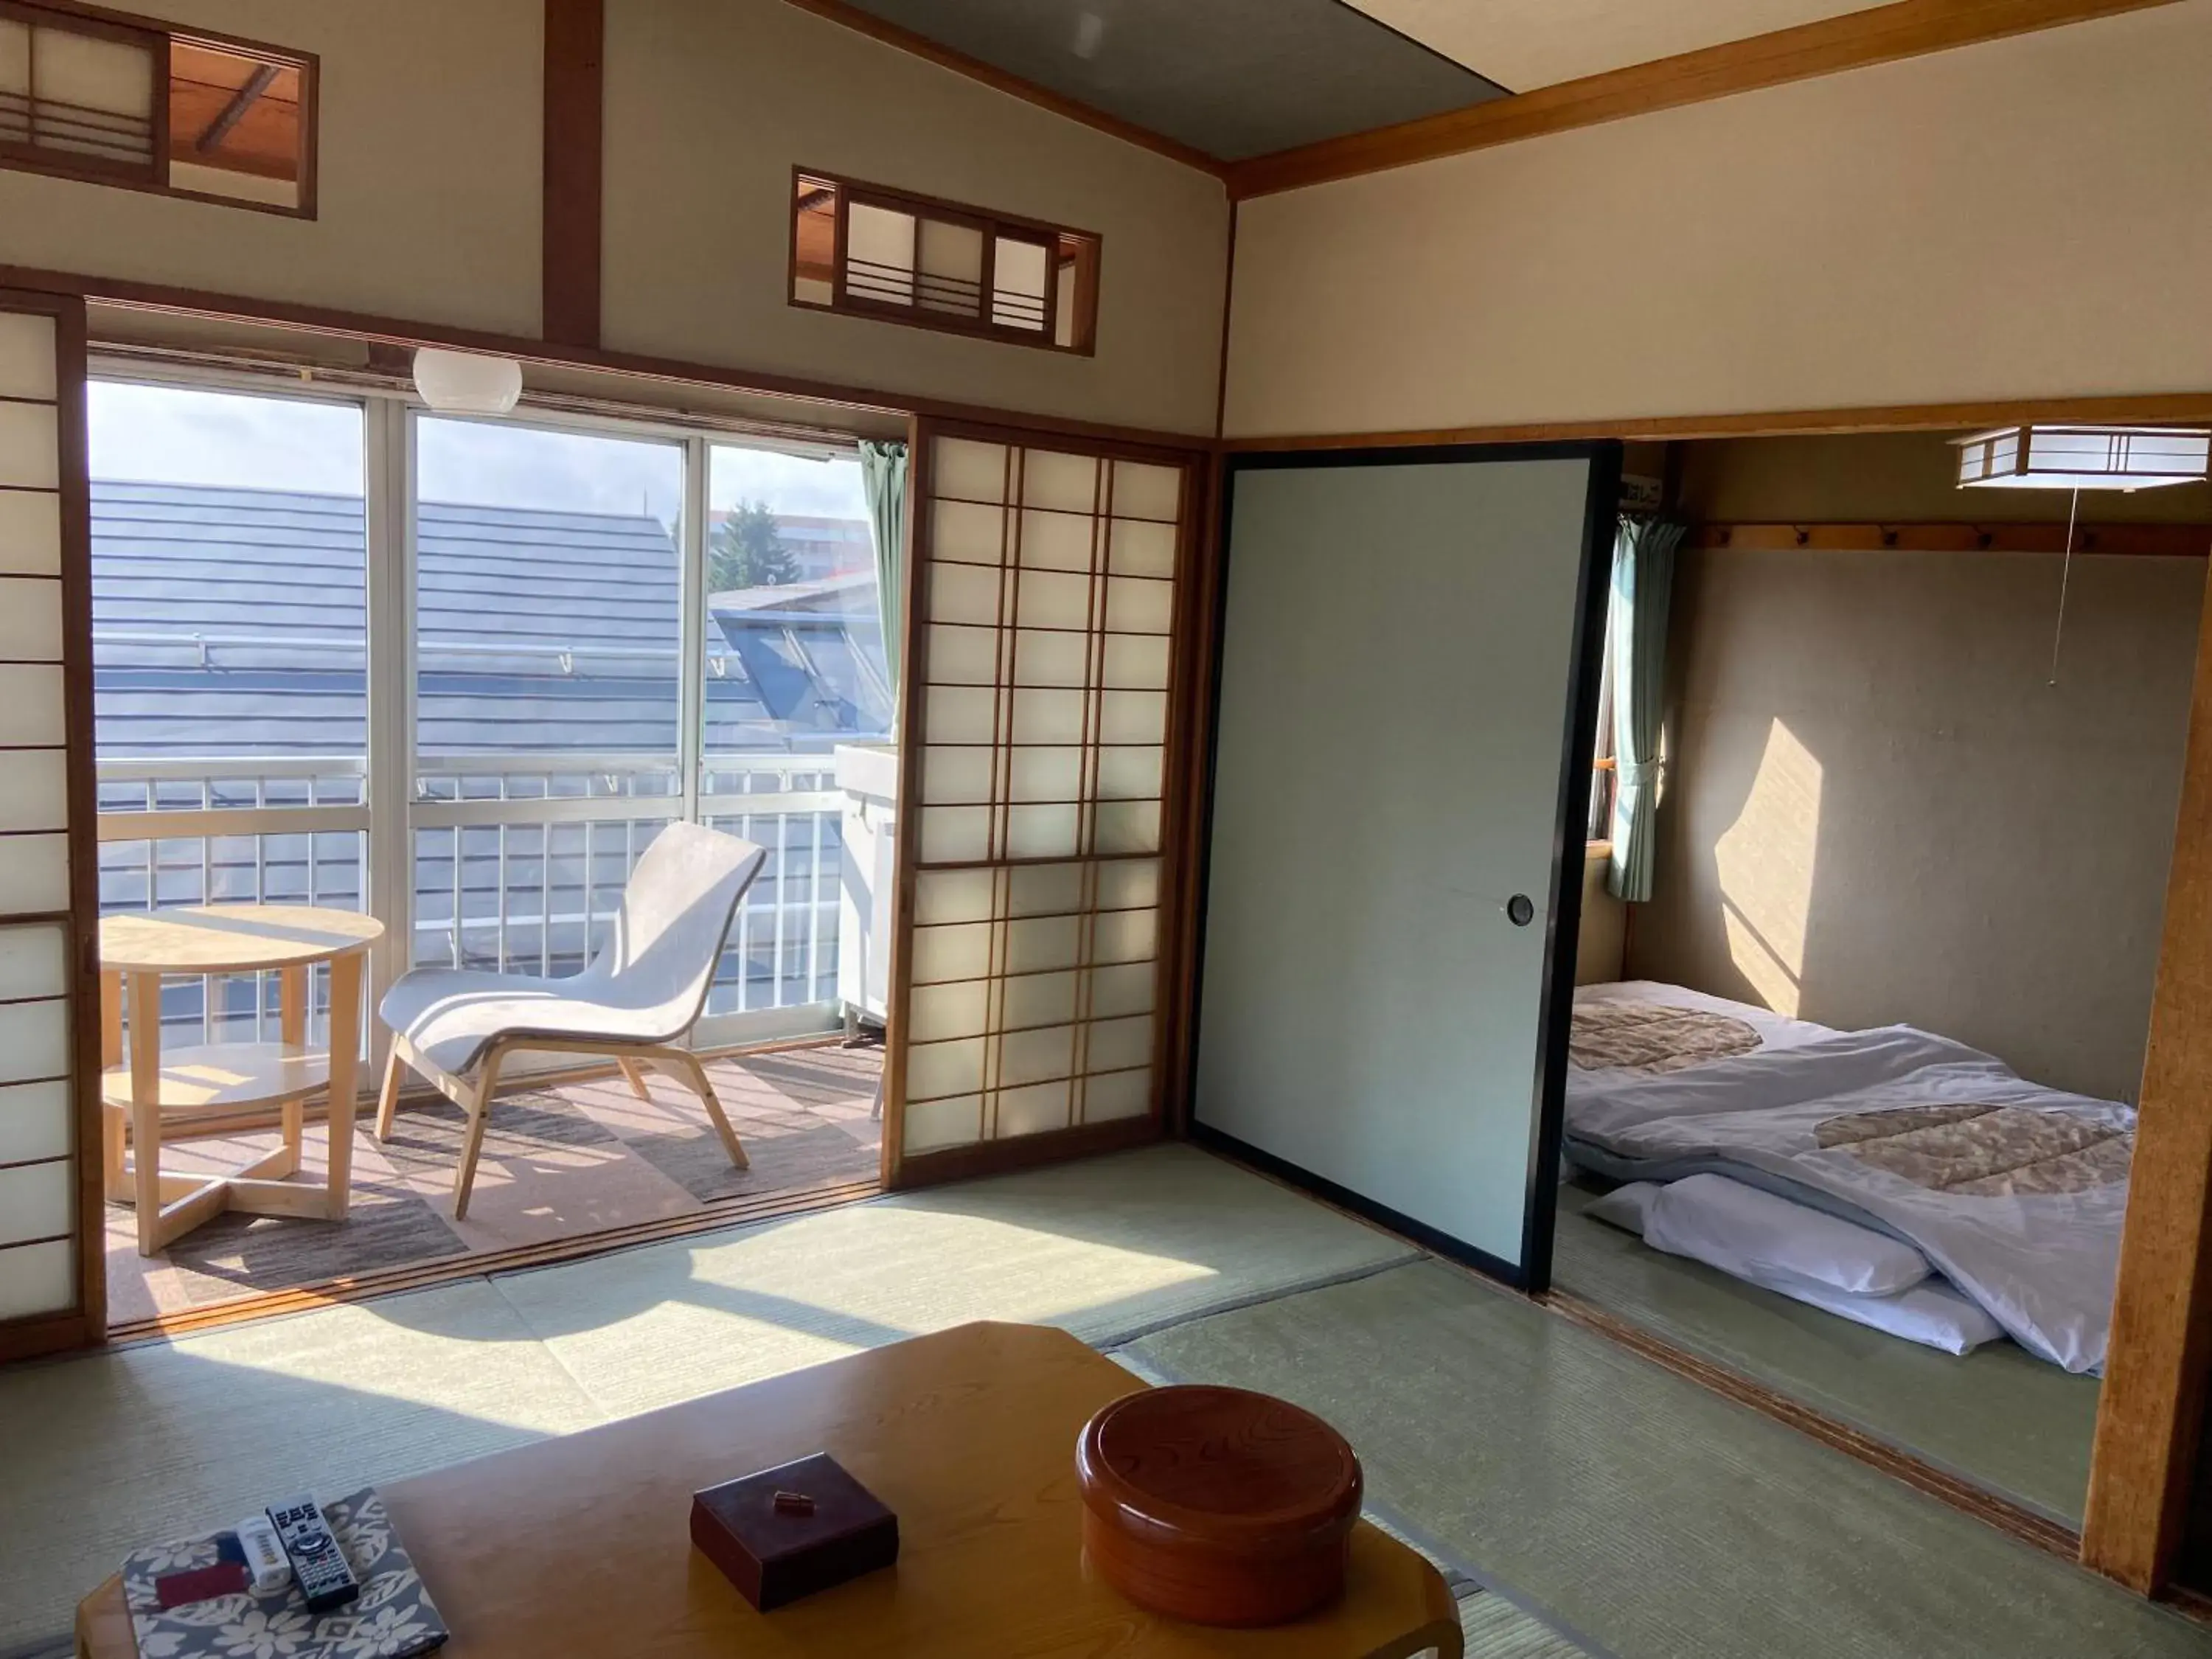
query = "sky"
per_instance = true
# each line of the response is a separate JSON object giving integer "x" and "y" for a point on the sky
{"x": 166, "y": 434}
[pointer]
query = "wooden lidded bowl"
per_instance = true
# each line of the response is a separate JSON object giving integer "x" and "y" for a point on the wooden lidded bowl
{"x": 1217, "y": 1505}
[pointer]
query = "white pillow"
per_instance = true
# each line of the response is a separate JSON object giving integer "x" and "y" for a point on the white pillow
{"x": 1627, "y": 1207}
{"x": 1930, "y": 1312}
{"x": 1772, "y": 1241}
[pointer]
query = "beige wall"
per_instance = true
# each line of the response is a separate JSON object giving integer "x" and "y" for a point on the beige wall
{"x": 1878, "y": 809}
{"x": 2024, "y": 218}
{"x": 429, "y": 173}
{"x": 430, "y": 186}
{"x": 1598, "y": 952}
{"x": 709, "y": 105}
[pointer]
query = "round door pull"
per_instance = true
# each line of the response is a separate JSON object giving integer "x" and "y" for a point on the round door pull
{"x": 1519, "y": 911}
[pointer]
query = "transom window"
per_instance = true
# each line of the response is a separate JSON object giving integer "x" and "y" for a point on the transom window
{"x": 878, "y": 252}
{"x": 114, "y": 99}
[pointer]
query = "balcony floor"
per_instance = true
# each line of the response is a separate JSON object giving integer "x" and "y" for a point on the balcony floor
{"x": 559, "y": 1164}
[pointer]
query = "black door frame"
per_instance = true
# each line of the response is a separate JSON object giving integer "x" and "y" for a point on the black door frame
{"x": 1600, "y": 510}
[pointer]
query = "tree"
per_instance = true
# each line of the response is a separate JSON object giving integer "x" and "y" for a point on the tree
{"x": 744, "y": 551}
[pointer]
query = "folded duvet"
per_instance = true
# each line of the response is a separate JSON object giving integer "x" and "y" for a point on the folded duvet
{"x": 2014, "y": 1191}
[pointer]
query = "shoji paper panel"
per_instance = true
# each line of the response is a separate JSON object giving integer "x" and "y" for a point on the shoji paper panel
{"x": 1048, "y": 600}
{"x": 41, "y": 485}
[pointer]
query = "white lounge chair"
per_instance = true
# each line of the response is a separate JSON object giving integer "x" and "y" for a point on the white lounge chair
{"x": 640, "y": 993}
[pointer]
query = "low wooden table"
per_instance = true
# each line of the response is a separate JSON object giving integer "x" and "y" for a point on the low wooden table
{"x": 136, "y": 948}
{"x": 581, "y": 1545}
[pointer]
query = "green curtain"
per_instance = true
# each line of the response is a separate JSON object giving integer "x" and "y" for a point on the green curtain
{"x": 882, "y": 476}
{"x": 1642, "y": 575}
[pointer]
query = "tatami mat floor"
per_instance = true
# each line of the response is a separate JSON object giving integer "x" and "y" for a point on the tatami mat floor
{"x": 1631, "y": 1513}
{"x": 144, "y": 1442}
{"x": 1999, "y": 1417}
{"x": 558, "y": 1163}
{"x": 1651, "y": 1517}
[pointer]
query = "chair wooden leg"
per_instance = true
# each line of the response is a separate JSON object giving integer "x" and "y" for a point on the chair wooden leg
{"x": 695, "y": 1075}
{"x": 479, "y": 1109}
{"x": 636, "y": 1073}
{"x": 387, "y": 1098}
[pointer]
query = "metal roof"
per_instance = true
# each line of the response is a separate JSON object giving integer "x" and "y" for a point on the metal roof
{"x": 231, "y": 622}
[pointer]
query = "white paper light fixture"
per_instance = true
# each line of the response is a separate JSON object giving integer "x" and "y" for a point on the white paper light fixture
{"x": 2082, "y": 458}
{"x": 464, "y": 383}
{"x": 2079, "y": 457}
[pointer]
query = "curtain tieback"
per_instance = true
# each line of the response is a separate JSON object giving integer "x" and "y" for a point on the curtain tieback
{"x": 1636, "y": 775}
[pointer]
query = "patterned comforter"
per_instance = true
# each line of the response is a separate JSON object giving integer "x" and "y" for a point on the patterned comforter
{"x": 2014, "y": 1191}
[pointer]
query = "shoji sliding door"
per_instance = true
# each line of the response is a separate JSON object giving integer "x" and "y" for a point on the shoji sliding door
{"x": 1408, "y": 677}
{"x": 51, "y": 1292}
{"x": 1040, "y": 799}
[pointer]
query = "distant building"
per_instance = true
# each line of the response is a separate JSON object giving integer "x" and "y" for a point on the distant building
{"x": 819, "y": 547}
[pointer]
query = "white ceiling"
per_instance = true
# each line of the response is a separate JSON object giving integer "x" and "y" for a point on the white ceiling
{"x": 1525, "y": 44}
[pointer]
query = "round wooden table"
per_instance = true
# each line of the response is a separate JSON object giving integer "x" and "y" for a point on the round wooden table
{"x": 136, "y": 949}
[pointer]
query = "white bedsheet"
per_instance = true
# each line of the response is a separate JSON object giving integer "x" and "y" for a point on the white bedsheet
{"x": 2042, "y": 1263}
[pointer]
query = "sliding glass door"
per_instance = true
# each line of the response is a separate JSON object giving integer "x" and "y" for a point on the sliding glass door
{"x": 791, "y": 671}
{"x": 548, "y": 581}
{"x": 614, "y": 630}
{"x": 231, "y": 668}
{"x": 461, "y": 672}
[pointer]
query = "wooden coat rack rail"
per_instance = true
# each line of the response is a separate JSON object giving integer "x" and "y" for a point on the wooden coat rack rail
{"x": 2182, "y": 541}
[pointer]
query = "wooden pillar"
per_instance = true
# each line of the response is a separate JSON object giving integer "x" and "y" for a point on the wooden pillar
{"x": 576, "y": 37}
{"x": 2144, "y": 1465}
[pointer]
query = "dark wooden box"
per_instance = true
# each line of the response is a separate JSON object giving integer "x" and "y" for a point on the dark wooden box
{"x": 773, "y": 1556}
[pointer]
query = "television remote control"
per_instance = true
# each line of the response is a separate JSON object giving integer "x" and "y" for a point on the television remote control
{"x": 324, "y": 1576}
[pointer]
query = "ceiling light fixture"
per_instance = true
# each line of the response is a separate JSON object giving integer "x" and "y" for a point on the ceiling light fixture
{"x": 2127, "y": 458}
{"x": 2079, "y": 457}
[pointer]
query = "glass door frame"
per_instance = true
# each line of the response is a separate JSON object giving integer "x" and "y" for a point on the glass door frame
{"x": 691, "y": 802}
{"x": 390, "y": 814}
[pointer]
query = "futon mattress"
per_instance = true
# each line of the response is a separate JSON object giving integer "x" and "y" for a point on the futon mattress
{"x": 2014, "y": 1191}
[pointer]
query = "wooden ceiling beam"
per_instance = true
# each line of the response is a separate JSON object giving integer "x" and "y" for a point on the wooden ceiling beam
{"x": 574, "y": 183}
{"x": 234, "y": 112}
{"x": 1907, "y": 28}
{"x": 2143, "y": 408}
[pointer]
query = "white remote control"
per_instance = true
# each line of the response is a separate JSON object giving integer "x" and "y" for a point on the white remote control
{"x": 264, "y": 1555}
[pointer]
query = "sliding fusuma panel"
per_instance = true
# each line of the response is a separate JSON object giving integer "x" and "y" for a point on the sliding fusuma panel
{"x": 48, "y": 1291}
{"x": 1040, "y": 818}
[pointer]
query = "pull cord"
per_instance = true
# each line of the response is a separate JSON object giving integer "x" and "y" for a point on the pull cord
{"x": 2065, "y": 574}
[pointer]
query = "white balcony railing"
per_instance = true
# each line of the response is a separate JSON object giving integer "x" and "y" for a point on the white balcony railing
{"x": 518, "y": 861}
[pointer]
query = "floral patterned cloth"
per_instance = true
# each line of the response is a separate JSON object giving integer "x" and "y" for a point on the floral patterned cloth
{"x": 1651, "y": 1038}
{"x": 394, "y": 1618}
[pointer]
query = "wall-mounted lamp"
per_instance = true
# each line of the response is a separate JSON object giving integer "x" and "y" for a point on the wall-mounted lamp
{"x": 464, "y": 383}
